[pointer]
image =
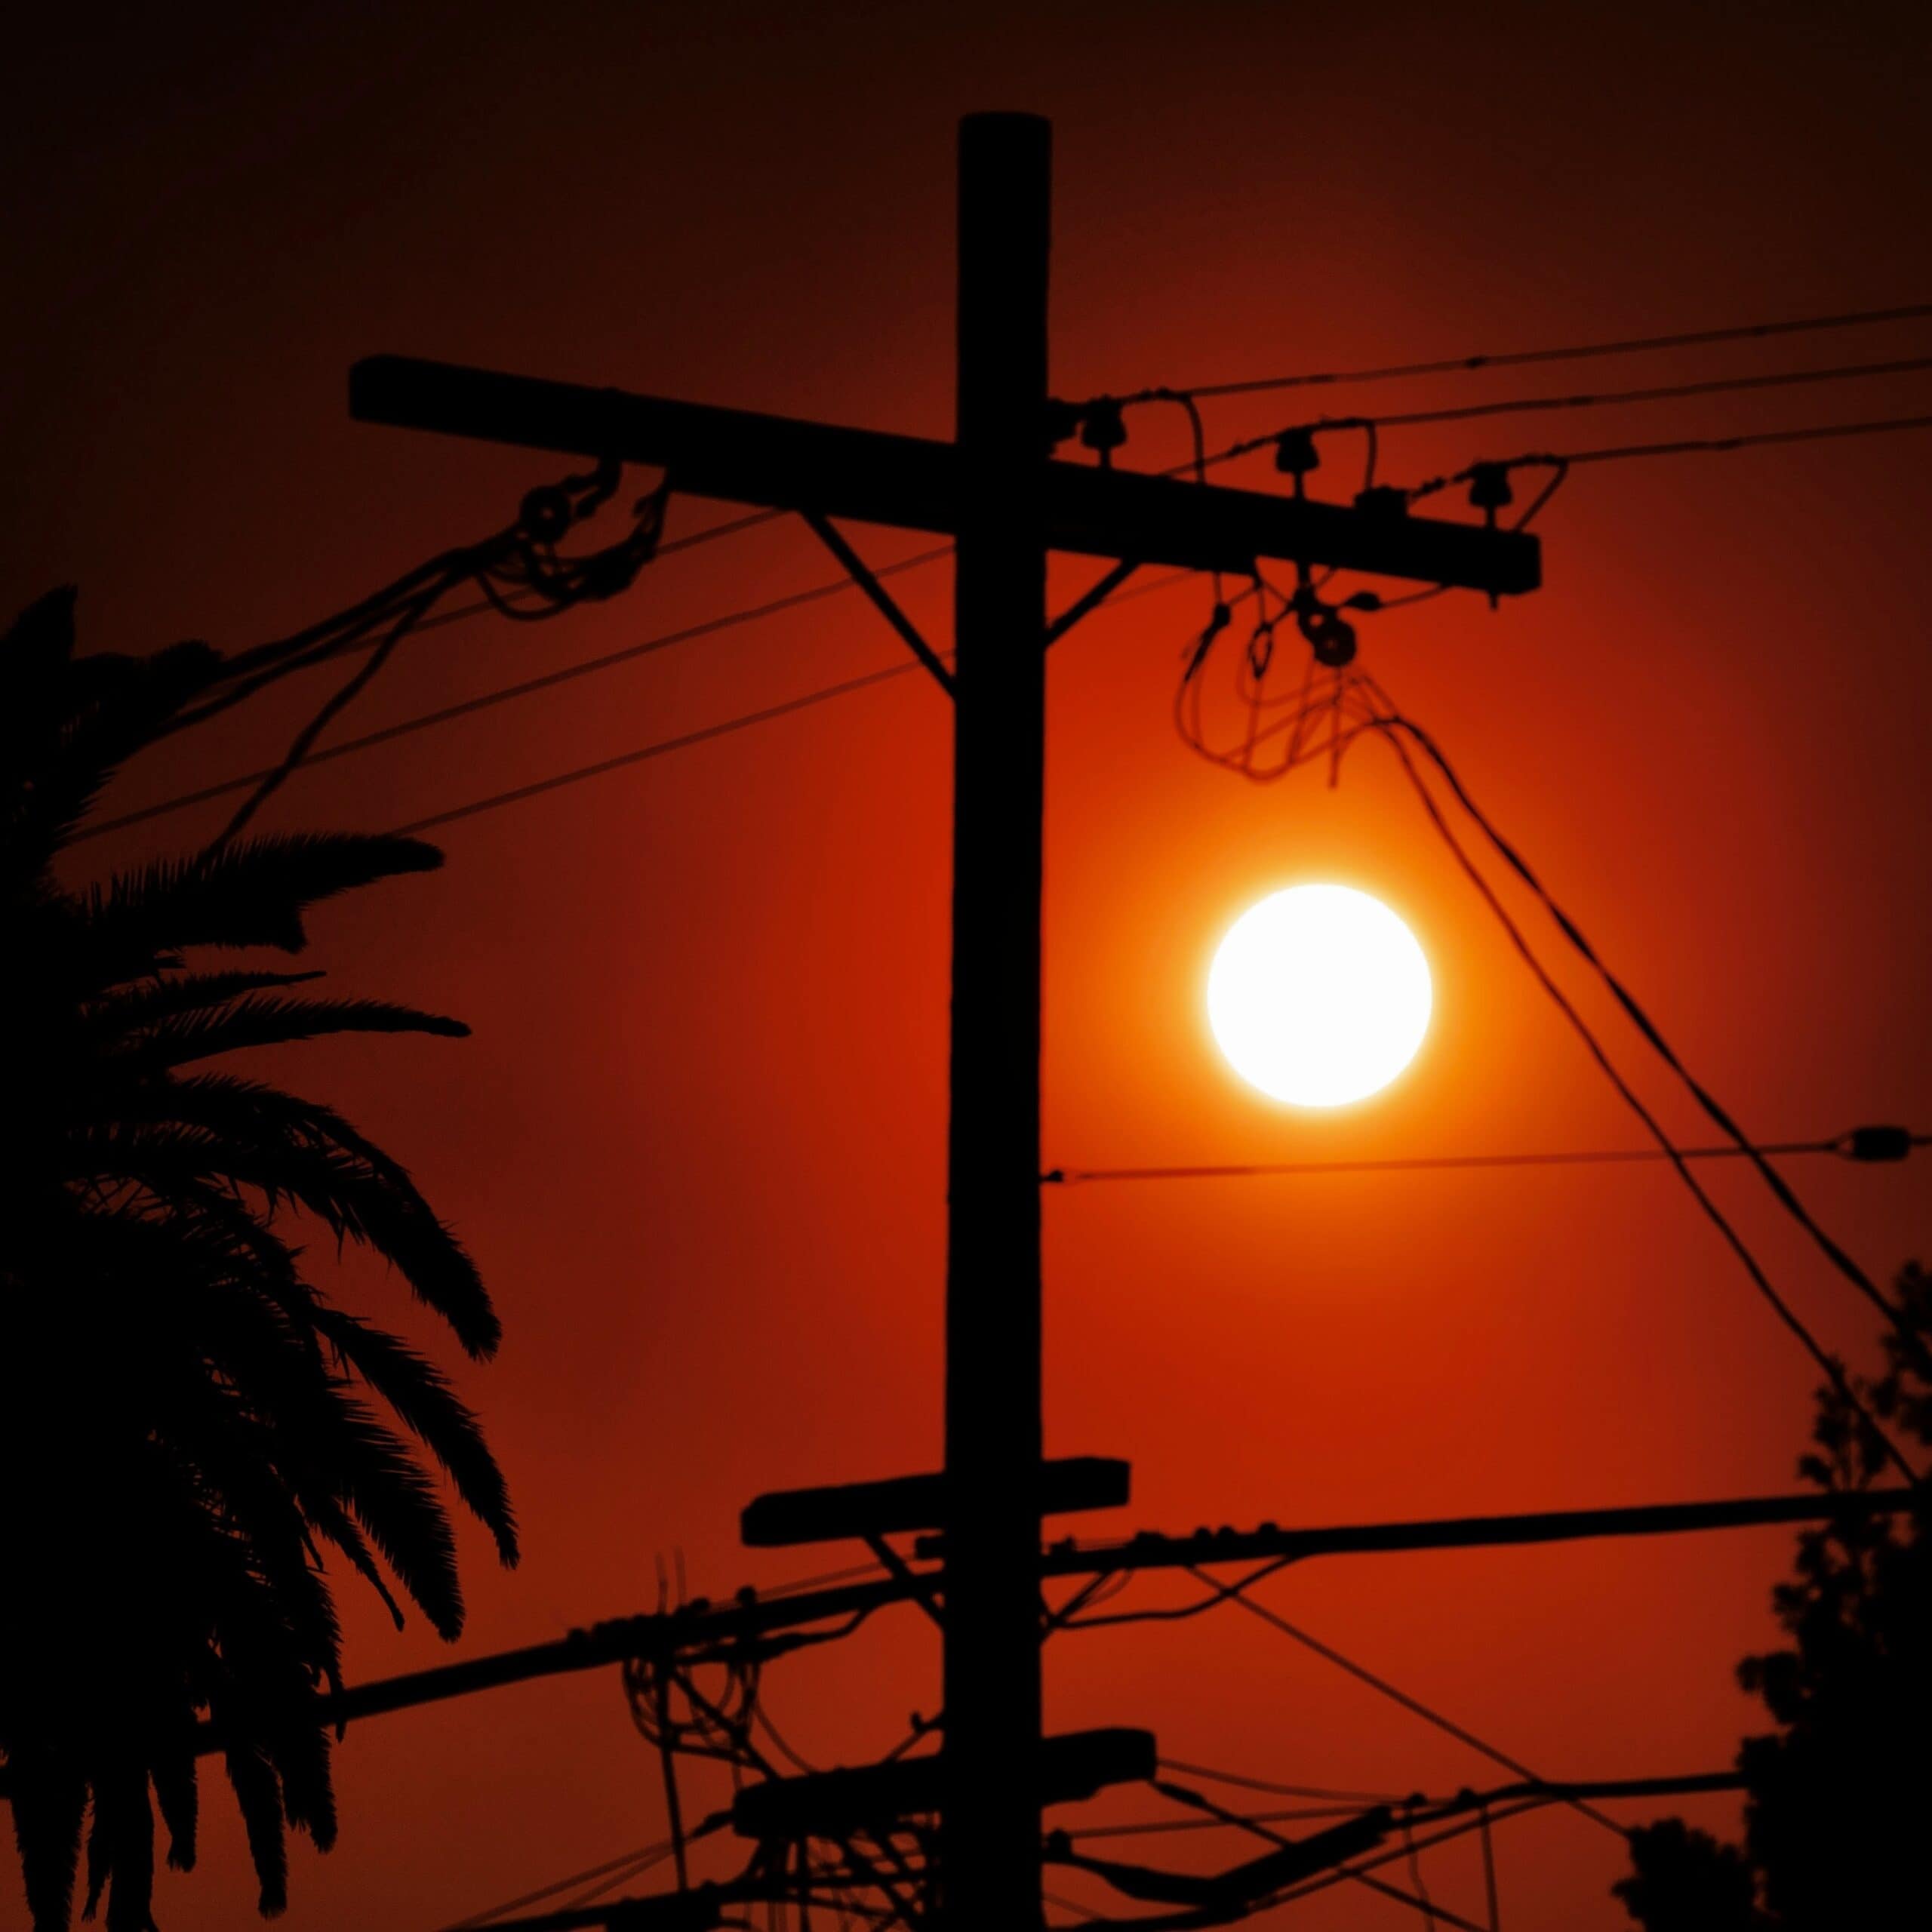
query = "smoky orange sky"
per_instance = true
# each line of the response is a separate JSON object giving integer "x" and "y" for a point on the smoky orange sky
{"x": 697, "y": 1140}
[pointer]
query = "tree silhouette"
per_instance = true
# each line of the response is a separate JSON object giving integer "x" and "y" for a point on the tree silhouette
{"x": 1839, "y": 1795}
{"x": 186, "y": 1420}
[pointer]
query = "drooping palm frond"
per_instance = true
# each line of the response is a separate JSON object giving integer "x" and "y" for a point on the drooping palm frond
{"x": 187, "y": 1132}
{"x": 423, "y": 1400}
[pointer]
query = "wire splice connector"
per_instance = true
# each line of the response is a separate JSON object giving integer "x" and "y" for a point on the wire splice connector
{"x": 1876, "y": 1143}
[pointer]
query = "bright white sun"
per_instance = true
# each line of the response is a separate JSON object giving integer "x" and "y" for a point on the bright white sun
{"x": 1318, "y": 995}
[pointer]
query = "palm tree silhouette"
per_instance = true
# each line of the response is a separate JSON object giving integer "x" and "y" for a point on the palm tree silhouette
{"x": 186, "y": 1422}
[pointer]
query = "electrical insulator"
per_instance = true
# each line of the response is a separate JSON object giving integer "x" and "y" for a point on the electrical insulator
{"x": 1103, "y": 429}
{"x": 1489, "y": 488}
{"x": 1296, "y": 455}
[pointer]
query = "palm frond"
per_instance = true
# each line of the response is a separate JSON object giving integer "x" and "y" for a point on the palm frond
{"x": 253, "y": 893}
{"x": 397, "y": 1505}
{"x": 427, "y": 1406}
{"x": 258, "y": 1796}
{"x": 177, "y": 1798}
{"x": 267, "y": 1022}
{"x": 121, "y": 1848}
{"x": 214, "y": 1126}
{"x": 128, "y": 1010}
{"x": 49, "y": 1800}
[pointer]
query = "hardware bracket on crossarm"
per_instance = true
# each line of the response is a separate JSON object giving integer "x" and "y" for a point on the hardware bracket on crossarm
{"x": 827, "y": 533}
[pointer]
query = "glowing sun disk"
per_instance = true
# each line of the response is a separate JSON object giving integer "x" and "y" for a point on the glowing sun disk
{"x": 1318, "y": 995}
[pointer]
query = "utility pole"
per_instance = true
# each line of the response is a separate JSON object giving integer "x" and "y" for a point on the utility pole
{"x": 990, "y": 1825}
{"x": 999, "y": 493}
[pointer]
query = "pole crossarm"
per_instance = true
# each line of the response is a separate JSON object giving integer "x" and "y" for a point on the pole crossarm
{"x": 751, "y": 1619}
{"x": 915, "y": 483}
{"x": 1150, "y": 1550}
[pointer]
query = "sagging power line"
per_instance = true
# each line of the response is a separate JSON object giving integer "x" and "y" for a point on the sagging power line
{"x": 1531, "y": 405}
{"x": 1570, "y": 352}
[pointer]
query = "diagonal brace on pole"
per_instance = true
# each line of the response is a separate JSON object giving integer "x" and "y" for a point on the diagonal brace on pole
{"x": 827, "y": 533}
{"x": 920, "y": 1587}
{"x": 1091, "y": 599}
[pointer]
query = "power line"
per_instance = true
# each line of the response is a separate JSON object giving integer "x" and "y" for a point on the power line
{"x": 631, "y": 1865}
{"x": 1274, "y": 1787}
{"x": 1895, "y": 1142}
{"x": 1569, "y": 352}
{"x": 1393, "y": 723}
{"x": 742, "y": 721}
{"x": 1390, "y": 724}
{"x": 1566, "y": 459}
{"x": 436, "y": 621}
{"x": 1417, "y": 1901}
{"x": 1414, "y": 1705}
{"x": 505, "y": 693}
{"x": 559, "y": 780}
{"x": 1600, "y": 399}
{"x": 1757, "y": 439}
{"x": 1420, "y": 1807}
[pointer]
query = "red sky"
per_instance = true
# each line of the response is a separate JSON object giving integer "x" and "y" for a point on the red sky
{"x": 697, "y": 1139}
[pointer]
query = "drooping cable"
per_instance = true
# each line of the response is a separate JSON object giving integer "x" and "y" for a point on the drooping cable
{"x": 1833, "y": 1370}
{"x": 520, "y": 570}
{"x": 1719, "y": 1116}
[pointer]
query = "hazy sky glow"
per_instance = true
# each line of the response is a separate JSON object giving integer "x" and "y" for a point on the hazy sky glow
{"x": 697, "y": 1141}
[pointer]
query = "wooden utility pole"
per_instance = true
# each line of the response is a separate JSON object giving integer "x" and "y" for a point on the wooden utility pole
{"x": 989, "y": 1828}
{"x": 996, "y": 490}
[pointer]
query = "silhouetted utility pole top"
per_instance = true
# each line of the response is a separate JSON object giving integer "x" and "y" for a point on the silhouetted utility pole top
{"x": 997, "y": 492}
